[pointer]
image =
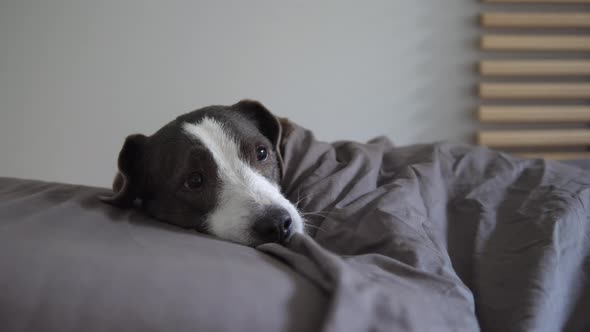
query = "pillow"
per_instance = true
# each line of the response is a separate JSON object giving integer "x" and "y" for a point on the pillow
{"x": 72, "y": 263}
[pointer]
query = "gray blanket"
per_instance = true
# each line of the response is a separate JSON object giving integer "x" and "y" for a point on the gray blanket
{"x": 440, "y": 237}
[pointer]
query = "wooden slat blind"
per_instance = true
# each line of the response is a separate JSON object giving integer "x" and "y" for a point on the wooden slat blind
{"x": 535, "y": 138}
{"x": 535, "y": 43}
{"x": 557, "y": 155}
{"x": 558, "y": 2}
{"x": 534, "y": 90}
{"x": 534, "y": 67}
{"x": 535, "y": 20}
{"x": 534, "y": 114}
{"x": 541, "y": 78}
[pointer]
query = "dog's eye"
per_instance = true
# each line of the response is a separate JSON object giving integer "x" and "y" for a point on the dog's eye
{"x": 193, "y": 181}
{"x": 261, "y": 153}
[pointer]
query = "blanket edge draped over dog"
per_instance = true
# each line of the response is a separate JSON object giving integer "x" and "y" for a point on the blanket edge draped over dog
{"x": 439, "y": 237}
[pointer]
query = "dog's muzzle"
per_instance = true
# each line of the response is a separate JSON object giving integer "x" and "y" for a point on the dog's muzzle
{"x": 273, "y": 225}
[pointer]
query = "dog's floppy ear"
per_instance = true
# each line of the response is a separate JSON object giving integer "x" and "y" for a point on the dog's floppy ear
{"x": 125, "y": 185}
{"x": 269, "y": 125}
{"x": 265, "y": 121}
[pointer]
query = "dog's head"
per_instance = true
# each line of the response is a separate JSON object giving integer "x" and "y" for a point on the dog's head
{"x": 216, "y": 170}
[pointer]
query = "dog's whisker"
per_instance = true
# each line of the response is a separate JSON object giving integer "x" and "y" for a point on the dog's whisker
{"x": 314, "y": 226}
{"x": 308, "y": 195}
{"x": 319, "y": 213}
{"x": 316, "y": 215}
{"x": 324, "y": 211}
{"x": 299, "y": 200}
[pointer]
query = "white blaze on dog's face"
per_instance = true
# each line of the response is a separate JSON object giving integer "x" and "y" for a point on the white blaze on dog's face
{"x": 244, "y": 194}
{"x": 216, "y": 170}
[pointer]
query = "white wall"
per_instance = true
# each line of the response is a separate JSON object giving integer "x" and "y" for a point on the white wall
{"x": 77, "y": 76}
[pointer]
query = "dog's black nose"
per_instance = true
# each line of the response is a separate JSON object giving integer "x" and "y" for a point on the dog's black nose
{"x": 273, "y": 225}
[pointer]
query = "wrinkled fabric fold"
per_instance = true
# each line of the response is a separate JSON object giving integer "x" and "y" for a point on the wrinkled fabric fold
{"x": 439, "y": 237}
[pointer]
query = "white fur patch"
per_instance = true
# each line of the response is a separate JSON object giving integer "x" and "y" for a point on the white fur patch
{"x": 244, "y": 191}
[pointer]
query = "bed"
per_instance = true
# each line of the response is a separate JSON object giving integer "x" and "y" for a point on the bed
{"x": 435, "y": 237}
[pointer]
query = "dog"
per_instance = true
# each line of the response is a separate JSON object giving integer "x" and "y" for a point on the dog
{"x": 216, "y": 170}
